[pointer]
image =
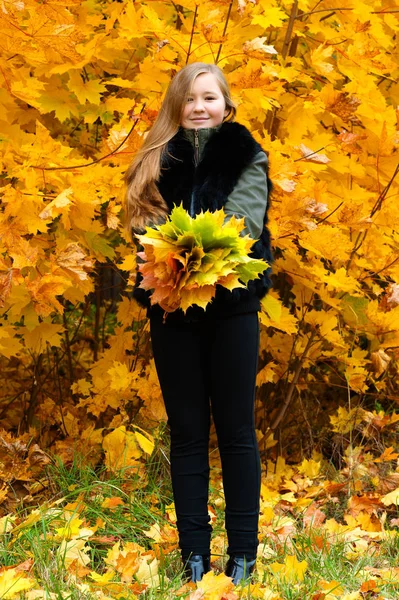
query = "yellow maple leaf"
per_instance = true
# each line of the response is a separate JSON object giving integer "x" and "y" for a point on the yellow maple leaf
{"x": 310, "y": 468}
{"x": 391, "y": 498}
{"x": 267, "y": 374}
{"x": 387, "y": 455}
{"x": 319, "y": 58}
{"x": 103, "y": 579}
{"x": 9, "y": 345}
{"x": 215, "y": 586}
{"x": 147, "y": 572}
{"x": 7, "y": 523}
{"x": 57, "y": 206}
{"x": 129, "y": 310}
{"x": 81, "y": 386}
{"x": 287, "y": 322}
{"x": 29, "y": 90}
{"x": 71, "y": 528}
{"x": 332, "y": 588}
{"x": 128, "y": 263}
{"x": 44, "y": 291}
{"x": 59, "y": 100}
{"x": 145, "y": 440}
{"x": 155, "y": 533}
{"x": 272, "y": 306}
{"x": 346, "y": 420}
{"x": 127, "y": 564}
{"x": 292, "y": 570}
{"x": 35, "y": 516}
{"x": 85, "y": 90}
{"x": 45, "y": 333}
{"x": 74, "y": 260}
{"x": 13, "y": 582}
{"x": 121, "y": 449}
{"x": 271, "y": 17}
{"x": 121, "y": 378}
{"x": 74, "y": 550}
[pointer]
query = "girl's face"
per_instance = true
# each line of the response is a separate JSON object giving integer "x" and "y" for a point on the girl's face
{"x": 205, "y": 105}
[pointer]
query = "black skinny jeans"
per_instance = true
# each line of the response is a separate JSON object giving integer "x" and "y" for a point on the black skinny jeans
{"x": 211, "y": 363}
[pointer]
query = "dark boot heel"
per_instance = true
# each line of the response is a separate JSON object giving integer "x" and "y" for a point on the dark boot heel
{"x": 196, "y": 565}
{"x": 239, "y": 567}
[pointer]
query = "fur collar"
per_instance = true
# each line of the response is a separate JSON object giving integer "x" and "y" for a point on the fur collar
{"x": 227, "y": 153}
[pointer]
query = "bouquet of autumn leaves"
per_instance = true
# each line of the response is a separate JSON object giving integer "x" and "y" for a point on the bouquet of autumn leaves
{"x": 185, "y": 258}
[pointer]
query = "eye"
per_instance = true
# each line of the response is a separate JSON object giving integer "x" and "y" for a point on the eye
{"x": 210, "y": 98}
{"x": 189, "y": 99}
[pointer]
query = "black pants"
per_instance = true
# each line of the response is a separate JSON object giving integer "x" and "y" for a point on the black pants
{"x": 211, "y": 363}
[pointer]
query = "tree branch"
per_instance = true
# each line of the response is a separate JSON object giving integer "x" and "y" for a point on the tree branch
{"x": 97, "y": 159}
{"x": 291, "y": 389}
{"x": 192, "y": 33}
{"x": 290, "y": 28}
{"x": 224, "y": 31}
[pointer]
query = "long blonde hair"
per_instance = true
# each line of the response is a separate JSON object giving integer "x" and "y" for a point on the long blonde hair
{"x": 145, "y": 204}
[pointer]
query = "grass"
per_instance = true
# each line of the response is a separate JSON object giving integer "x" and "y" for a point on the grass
{"x": 90, "y": 539}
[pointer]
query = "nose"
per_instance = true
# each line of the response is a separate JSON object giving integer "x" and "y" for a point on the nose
{"x": 198, "y": 105}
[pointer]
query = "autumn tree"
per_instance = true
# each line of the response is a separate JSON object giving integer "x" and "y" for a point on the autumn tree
{"x": 81, "y": 83}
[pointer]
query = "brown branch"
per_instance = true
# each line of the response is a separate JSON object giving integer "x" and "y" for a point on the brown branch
{"x": 192, "y": 33}
{"x": 98, "y": 298}
{"x": 6, "y": 407}
{"x": 377, "y": 206}
{"x": 68, "y": 348}
{"x": 224, "y": 31}
{"x": 290, "y": 28}
{"x": 373, "y": 274}
{"x": 331, "y": 213}
{"x": 35, "y": 389}
{"x": 310, "y": 154}
{"x": 287, "y": 235}
{"x": 291, "y": 388}
{"x": 383, "y": 195}
{"x": 333, "y": 10}
{"x": 358, "y": 243}
{"x": 97, "y": 159}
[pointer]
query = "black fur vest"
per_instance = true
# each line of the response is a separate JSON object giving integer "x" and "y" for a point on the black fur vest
{"x": 226, "y": 155}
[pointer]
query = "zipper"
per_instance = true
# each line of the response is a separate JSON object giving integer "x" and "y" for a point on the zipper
{"x": 196, "y": 147}
{"x": 196, "y": 161}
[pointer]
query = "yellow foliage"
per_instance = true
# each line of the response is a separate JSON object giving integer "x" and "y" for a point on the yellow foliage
{"x": 121, "y": 449}
{"x": 291, "y": 571}
{"x": 74, "y": 550}
{"x": 13, "y": 583}
{"x": 213, "y": 587}
{"x": 81, "y": 85}
{"x": 346, "y": 420}
{"x": 72, "y": 98}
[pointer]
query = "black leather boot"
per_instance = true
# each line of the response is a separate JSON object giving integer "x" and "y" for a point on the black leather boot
{"x": 196, "y": 565}
{"x": 239, "y": 567}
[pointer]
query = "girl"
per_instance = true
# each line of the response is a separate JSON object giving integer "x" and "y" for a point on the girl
{"x": 195, "y": 154}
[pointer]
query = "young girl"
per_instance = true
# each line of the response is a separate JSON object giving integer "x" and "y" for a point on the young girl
{"x": 206, "y": 360}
